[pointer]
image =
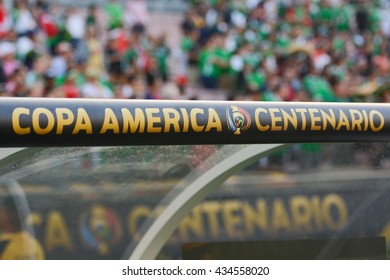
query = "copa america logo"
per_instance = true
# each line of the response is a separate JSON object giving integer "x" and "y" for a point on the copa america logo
{"x": 238, "y": 119}
{"x": 100, "y": 229}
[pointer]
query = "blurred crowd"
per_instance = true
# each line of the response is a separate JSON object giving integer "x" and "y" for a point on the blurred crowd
{"x": 50, "y": 50}
{"x": 290, "y": 50}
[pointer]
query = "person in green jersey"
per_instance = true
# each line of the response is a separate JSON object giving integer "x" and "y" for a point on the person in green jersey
{"x": 115, "y": 13}
{"x": 161, "y": 53}
{"x": 209, "y": 71}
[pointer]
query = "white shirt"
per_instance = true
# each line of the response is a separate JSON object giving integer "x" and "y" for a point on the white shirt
{"x": 92, "y": 90}
{"x": 24, "y": 45}
{"x": 25, "y": 22}
{"x": 76, "y": 26}
{"x": 58, "y": 67}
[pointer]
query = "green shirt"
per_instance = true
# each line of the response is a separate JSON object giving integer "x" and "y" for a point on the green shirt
{"x": 255, "y": 80}
{"x": 314, "y": 148}
{"x": 207, "y": 65}
{"x": 338, "y": 44}
{"x": 223, "y": 56}
{"x": 115, "y": 14}
{"x": 345, "y": 14}
{"x": 253, "y": 59}
{"x": 282, "y": 43}
{"x": 131, "y": 55}
{"x": 328, "y": 14}
{"x": 319, "y": 88}
{"x": 162, "y": 53}
{"x": 187, "y": 44}
{"x": 374, "y": 19}
{"x": 269, "y": 96}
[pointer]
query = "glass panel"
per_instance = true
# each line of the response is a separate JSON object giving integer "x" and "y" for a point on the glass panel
{"x": 305, "y": 201}
{"x": 88, "y": 203}
{"x": 302, "y": 201}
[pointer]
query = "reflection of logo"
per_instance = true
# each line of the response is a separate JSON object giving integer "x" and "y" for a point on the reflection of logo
{"x": 238, "y": 119}
{"x": 100, "y": 229}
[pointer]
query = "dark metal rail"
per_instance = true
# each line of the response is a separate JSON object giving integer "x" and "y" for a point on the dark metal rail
{"x": 31, "y": 122}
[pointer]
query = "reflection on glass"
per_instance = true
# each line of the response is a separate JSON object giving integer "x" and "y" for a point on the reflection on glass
{"x": 303, "y": 192}
{"x": 90, "y": 203}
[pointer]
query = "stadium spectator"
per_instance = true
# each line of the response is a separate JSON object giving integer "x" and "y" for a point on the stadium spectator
{"x": 61, "y": 61}
{"x": 93, "y": 88}
{"x": 321, "y": 50}
{"x": 332, "y": 44}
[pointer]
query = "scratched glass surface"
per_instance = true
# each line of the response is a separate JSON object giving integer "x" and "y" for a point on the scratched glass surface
{"x": 92, "y": 202}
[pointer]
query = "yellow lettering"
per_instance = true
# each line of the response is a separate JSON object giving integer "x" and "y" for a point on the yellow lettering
{"x": 172, "y": 118}
{"x": 57, "y": 234}
{"x": 192, "y": 223}
{"x": 280, "y": 219}
{"x": 195, "y": 126}
{"x": 331, "y": 119}
{"x": 82, "y": 122}
{"x": 64, "y": 118}
{"x": 133, "y": 123}
{"x": 274, "y": 119}
{"x": 232, "y": 218}
{"x": 255, "y": 217}
{"x": 300, "y": 212}
{"x": 37, "y": 113}
{"x": 343, "y": 121}
{"x": 213, "y": 121}
{"x": 337, "y": 203}
{"x": 110, "y": 122}
{"x": 356, "y": 119}
{"x": 381, "y": 119}
{"x": 152, "y": 120}
{"x": 303, "y": 117}
{"x": 18, "y": 129}
{"x": 314, "y": 119}
{"x": 289, "y": 118}
{"x": 257, "y": 119}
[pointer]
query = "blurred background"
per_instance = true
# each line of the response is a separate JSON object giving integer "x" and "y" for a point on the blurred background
{"x": 91, "y": 203}
{"x": 287, "y": 50}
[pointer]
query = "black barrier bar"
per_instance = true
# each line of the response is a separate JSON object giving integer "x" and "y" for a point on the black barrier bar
{"x": 47, "y": 122}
